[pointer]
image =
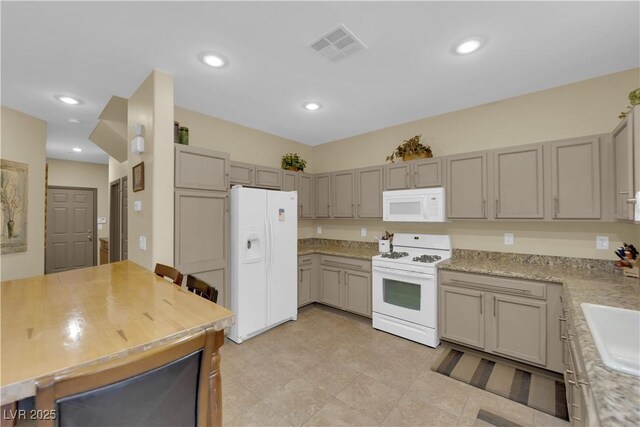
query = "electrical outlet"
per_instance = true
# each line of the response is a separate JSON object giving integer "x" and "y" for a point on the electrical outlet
{"x": 363, "y": 232}
{"x": 508, "y": 238}
{"x": 319, "y": 230}
{"x": 602, "y": 242}
{"x": 143, "y": 243}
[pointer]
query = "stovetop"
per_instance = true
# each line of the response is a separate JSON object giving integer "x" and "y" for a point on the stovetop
{"x": 395, "y": 255}
{"x": 427, "y": 258}
{"x": 416, "y": 252}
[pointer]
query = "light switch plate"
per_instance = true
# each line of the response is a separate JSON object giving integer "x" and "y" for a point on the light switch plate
{"x": 137, "y": 205}
{"x": 602, "y": 242}
{"x": 508, "y": 238}
{"x": 363, "y": 232}
{"x": 102, "y": 220}
{"x": 143, "y": 243}
{"x": 319, "y": 230}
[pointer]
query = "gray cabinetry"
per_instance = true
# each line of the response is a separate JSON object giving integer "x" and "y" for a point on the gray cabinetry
{"x": 255, "y": 176}
{"x": 307, "y": 279}
{"x": 322, "y": 187}
{"x": 513, "y": 318}
{"x": 467, "y": 186}
{"x": 369, "y": 189}
{"x": 345, "y": 283}
{"x": 462, "y": 315}
{"x": 290, "y": 181}
{"x": 343, "y": 192}
{"x": 575, "y": 178}
{"x": 306, "y": 195}
{"x": 201, "y": 216}
{"x": 624, "y": 157}
{"x": 201, "y": 169}
{"x": 518, "y": 182}
{"x": 414, "y": 174}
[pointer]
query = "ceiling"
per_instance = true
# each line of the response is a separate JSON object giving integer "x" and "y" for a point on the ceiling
{"x": 94, "y": 50}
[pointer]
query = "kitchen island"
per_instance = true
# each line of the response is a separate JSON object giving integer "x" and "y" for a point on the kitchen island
{"x": 615, "y": 395}
{"x": 56, "y": 324}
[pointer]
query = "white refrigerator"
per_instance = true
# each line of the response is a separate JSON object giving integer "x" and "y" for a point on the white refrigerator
{"x": 264, "y": 258}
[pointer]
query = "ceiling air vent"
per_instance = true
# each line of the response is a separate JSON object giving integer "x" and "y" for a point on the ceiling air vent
{"x": 337, "y": 44}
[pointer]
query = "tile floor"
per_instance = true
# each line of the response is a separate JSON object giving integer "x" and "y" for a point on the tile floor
{"x": 330, "y": 368}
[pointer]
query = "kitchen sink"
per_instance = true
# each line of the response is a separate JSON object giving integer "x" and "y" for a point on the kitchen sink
{"x": 616, "y": 332}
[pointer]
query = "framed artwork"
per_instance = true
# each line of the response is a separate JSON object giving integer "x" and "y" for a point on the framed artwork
{"x": 14, "y": 197}
{"x": 138, "y": 177}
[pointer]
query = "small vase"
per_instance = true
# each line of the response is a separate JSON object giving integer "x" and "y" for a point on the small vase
{"x": 184, "y": 136}
{"x": 293, "y": 168}
{"x": 10, "y": 229}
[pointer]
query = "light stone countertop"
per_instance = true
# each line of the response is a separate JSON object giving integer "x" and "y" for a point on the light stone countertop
{"x": 616, "y": 395}
{"x": 344, "y": 248}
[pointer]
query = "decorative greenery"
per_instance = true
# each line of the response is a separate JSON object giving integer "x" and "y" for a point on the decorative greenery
{"x": 634, "y": 98}
{"x": 292, "y": 161}
{"x": 411, "y": 147}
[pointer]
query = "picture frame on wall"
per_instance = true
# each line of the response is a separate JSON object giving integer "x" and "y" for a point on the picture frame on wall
{"x": 14, "y": 194}
{"x": 138, "y": 177}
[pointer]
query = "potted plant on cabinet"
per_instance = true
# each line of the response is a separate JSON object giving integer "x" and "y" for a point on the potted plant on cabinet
{"x": 293, "y": 162}
{"x": 410, "y": 150}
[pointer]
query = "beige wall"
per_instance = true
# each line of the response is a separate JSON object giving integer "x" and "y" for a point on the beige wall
{"x": 242, "y": 143}
{"x": 152, "y": 106}
{"x": 81, "y": 174}
{"x": 116, "y": 169}
{"x": 23, "y": 139}
{"x": 583, "y": 108}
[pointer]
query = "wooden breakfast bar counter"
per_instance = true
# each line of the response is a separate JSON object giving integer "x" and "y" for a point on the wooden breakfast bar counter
{"x": 57, "y": 325}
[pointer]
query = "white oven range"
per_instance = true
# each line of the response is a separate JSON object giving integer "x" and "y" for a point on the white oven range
{"x": 405, "y": 287}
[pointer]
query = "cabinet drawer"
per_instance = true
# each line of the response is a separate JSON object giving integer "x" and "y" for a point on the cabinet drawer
{"x": 502, "y": 285}
{"x": 349, "y": 263}
{"x": 305, "y": 260}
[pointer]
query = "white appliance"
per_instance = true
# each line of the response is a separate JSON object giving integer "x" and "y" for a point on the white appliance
{"x": 264, "y": 247}
{"x": 405, "y": 287}
{"x": 636, "y": 214}
{"x": 419, "y": 205}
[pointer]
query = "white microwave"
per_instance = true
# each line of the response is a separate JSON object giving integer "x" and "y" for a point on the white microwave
{"x": 419, "y": 205}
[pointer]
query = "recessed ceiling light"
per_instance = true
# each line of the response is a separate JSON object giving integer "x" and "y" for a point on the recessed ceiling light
{"x": 213, "y": 59}
{"x": 77, "y": 149}
{"x": 67, "y": 100}
{"x": 74, "y": 121}
{"x": 312, "y": 106}
{"x": 468, "y": 46}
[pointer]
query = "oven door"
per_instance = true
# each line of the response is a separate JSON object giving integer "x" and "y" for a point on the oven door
{"x": 405, "y": 295}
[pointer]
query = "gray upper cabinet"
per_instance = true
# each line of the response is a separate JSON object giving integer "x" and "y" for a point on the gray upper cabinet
{"x": 242, "y": 173}
{"x": 518, "y": 182}
{"x": 267, "y": 177}
{"x": 290, "y": 181}
{"x": 467, "y": 186}
{"x": 623, "y": 157}
{"x": 427, "y": 173}
{"x": 344, "y": 192}
{"x": 201, "y": 169}
{"x": 255, "y": 175}
{"x": 575, "y": 178}
{"x": 397, "y": 176}
{"x": 305, "y": 195}
{"x": 369, "y": 184}
{"x": 322, "y": 186}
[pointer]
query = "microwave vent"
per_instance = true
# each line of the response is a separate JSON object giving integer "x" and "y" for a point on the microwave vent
{"x": 337, "y": 44}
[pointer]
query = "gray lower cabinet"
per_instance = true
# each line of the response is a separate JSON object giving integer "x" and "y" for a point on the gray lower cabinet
{"x": 512, "y": 318}
{"x": 467, "y": 190}
{"x": 369, "y": 188}
{"x": 518, "y": 182}
{"x": 345, "y": 283}
{"x": 343, "y": 190}
{"x": 322, "y": 187}
{"x": 575, "y": 178}
{"x": 307, "y": 279}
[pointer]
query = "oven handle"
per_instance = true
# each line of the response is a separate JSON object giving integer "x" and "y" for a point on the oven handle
{"x": 403, "y": 272}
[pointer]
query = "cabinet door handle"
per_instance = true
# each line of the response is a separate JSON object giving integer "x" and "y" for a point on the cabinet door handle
{"x": 494, "y": 306}
{"x": 632, "y": 201}
{"x": 484, "y": 208}
{"x": 300, "y": 275}
{"x": 481, "y": 302}
{"x": 346, "y": 278}
{"x": 226, "y": 180}
{"x": 406, "y": 180}
{"x": 415, "y": 179}
{"x": 556, "y": 206}
{"x": 339, "y": 278}
{"x": 497, "y": 206}
{"x": 352, "y": 206}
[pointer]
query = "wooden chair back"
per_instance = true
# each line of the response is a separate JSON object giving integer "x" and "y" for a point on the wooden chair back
{"x": 169, "y": 272}
{"x": 202, "y": 288}
{"x": 88, "y": 394}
